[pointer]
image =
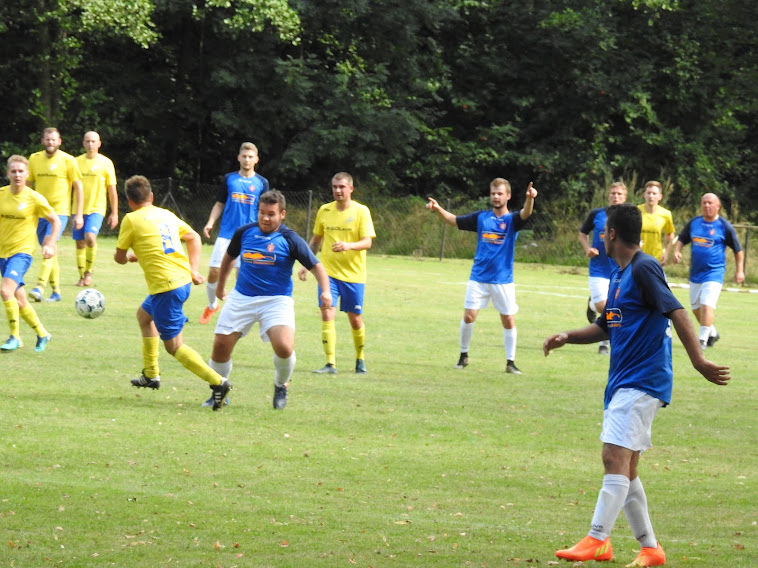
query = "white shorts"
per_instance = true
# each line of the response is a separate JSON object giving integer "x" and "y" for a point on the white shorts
{"x": 240, "y": 312}
{"x": 705, "y": 294}
{"x": 503, "y": 296}
{"x": 628, "y": 420}
{"x": 219, "y": 249}
{"x": 599, "y": 289}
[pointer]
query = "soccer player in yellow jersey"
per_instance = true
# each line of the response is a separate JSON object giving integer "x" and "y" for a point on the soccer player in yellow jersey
{"x": 53, "y": 173}
{"x": 155, "y": 236}
{"x": 20, "y": 207}
{"x": 656, "y": 220}
{"x": 99, "y": 183}
{"x": 343, "y": 231}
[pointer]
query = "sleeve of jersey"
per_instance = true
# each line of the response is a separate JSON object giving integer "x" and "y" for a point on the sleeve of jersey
{"x": 367, "y": 224}
{"x": 265, "y": 184}
{"x": 655, "y": 292}
{"x": 684, "y": 236}
{"x": 468, "y": 222}
{"x": 111, "y": 175}
{"x": 518, "y": 222}
{"x": 223, "y": 190}
{"x": 183, "y": 227}
{"x": 299, "y": 249}
{"x": 73, "y": 170}
{"x": 235, "y": 244}
{"x": 589, "y": 223}
{"x": 125, "y": 234}
{"x": 42, "y": 206}
{"x": 731, "y": 236}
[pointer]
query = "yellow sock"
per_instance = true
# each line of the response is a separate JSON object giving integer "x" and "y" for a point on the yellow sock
{"x": 55, "y": 273}
{"x": 30, "y": 317}
{"x": 150, "y": 348}
{"x": 359, "y": 338}
{"x": 11, "y": 312}
{"x": 194, "y": 363}
{"x": 44, "y": 272}
{"x": 329, "y": 340}
{"x": 90, "y": 258}
{"x": 80, "y": 259}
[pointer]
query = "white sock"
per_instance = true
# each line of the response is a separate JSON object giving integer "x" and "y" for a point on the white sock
{"x": 592, "y": 306}
{"x": 467, "y": 331}
{"x": 605, "y": 343}
{"x": 223, "y": 369}
{"x": 509, "y": 338}
{"x": 713, "y": 332}
{"x": 705, "y": 331}
{"x": 210, "y": 290}
{"x": 284, "y": 368}
{"x": 635, "y": 511}
{"x": 609, "y": 503}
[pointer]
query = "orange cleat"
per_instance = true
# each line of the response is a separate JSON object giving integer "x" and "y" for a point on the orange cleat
{"x": 588, "y": 549}
{"x": 208, "y": 313}
{"x": 649, "y": 557}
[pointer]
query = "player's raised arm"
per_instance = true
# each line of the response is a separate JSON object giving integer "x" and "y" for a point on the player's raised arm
{"x": 528, "y": 209}
{"x": 446, "y": 216}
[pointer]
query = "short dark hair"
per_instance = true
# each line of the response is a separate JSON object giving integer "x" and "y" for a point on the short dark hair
{"x": 273, "y": 196}
{"x": 138, "y": 189}
{"x": 626, "y": 220}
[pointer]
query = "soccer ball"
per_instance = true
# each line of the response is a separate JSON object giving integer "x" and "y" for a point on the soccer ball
{"x": 90, "y": 303}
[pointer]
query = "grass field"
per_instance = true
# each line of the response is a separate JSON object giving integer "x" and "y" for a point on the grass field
{"x": 415, "y": 464}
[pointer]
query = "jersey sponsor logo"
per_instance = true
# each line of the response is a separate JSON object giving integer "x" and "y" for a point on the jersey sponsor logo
{"x": 704, "y": 242}
{"x": 244, "y": 198}
{"x": 493, "y": 238}
{"x": 22, "y": 206}
{"x": 613, "y": 317}
{"x": 255, "y": 257}
{"x": 270, "y": 247}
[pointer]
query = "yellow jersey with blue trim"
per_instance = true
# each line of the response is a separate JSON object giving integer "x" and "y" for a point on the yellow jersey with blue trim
{"x": 350, "y": 225}
{"x": 18, "y": 220}
{"x": 53, "y": 178}
{"x": 154, "y": 234}
{"x": 97, "y": 174}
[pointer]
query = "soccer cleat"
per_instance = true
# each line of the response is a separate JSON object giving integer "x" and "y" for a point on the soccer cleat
{"x": 510, "y": 367}
{"x": 327, "y": 369}
{"x": 144, "y": 382}
{"x": 649, "y": 556}
{"x": 87, "y": 280}
{"x": 35, "y": 294}
{"x": 42, "y": 343}
{"x": 462, "y": 361}
{"x": 603, "y": 350}
{"x": 12, "y": 344}
{"x": 360, "y": 367}
{"x": 209, "y": 402}
{"x": 703, "y": 345}
{"x": 208, "y": 313}
{"x": 54, "y": 297}
{"x": 280, "y": 397}
{"x": 591, "y": 315}
{"x": 219, "y": 393}
{"x": 588, "y": 549}
{"x": 712, "y": 339}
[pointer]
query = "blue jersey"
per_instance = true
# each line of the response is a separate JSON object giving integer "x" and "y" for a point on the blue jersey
{"x": 636, "y": 318}
{"x": 493, "y": 261}
{"x": 266, "y": 259}
{"x": 601, "y": 265}
{"x": 709, "y": 241}
{"x": 240, "y": 198}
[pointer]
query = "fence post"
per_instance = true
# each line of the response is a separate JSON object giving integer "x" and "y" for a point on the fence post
{"x": 308, "y": 217}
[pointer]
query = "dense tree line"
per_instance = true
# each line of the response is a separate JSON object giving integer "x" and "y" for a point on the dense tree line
{"x": 411, "y": 96}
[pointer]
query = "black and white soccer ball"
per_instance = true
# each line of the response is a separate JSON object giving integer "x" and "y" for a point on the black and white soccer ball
{"x": 90, "y": 303}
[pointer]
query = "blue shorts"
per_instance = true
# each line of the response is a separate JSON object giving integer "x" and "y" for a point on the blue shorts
{"x": 167, "y": 311}
{"x": 15, "y": 267}
{"x": 44, "y": 228}
{"x": 92, "y": 224}
{"x": 349, "y": 294}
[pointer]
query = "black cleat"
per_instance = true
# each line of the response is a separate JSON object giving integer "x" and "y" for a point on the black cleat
{"x": 512, "y": 369}
{"x": 280, "y": 397}
{"x": 219, "y": 393}
{"x": 712, "y": 339}
{"x": 327, "y": 369}
{"x": 360, "y": 367}
{"x": 462, "y": 361}
{"x": 591, "y": 315}
{"x": 144, "y": 382}
{"x": 603, "y": 350}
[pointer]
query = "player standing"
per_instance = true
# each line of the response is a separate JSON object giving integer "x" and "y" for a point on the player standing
{"x": 263, "y": 293}
{"x": 656, "y": 221}
{"x": 237, "y": 204}
{"x": 492, "y": 272}
{"x": 20, "y": 207}
{"x": 709, "y": 234}
{"x": 99, "y": 186}
{"x": 637, "y": 319}
{"x": 155, "y": 236}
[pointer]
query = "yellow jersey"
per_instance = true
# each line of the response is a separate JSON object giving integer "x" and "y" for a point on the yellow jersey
{"x": 97, "y": 174}
{"x": 18, "y": 220}
{"x": 53, "y": 178}
{"x": 350, "y": 225}
{"x": 154, "y": 234}
{"x": 653, "y": 225}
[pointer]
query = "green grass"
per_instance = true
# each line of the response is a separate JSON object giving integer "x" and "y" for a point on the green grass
{"x": 415, "y": 464}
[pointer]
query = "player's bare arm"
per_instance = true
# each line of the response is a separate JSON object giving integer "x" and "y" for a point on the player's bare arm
{"x": 319, "y": 272}
{"x": 528, "y": 209}
{"x": 194, "y": 246}
{"x": 363, "y": 244}
{"x": 446, "y": 216}
{"x": 79, "y": 199}
{"x": 588, "y": 250}
{"x": 49, "y": 245}
{"x": 113, "y": 199}
{"x": 739, "y": 260}
{"x": 590, "y": 334}
{"x": 678, "y": 252}
{"x": 315, "y": 246}
{"x": 223, "y": 273}
{"x": 716, "y": 374}
{"x": 216, "y": 211}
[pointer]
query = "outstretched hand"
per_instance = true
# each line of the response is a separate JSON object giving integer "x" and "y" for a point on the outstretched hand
{"x": 554, "y": 342}
{"x": 716, "y": 374}
{"x": 531, "y": 191}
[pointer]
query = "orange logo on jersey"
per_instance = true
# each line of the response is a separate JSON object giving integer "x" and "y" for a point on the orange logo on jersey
{"x": 613, "y": 317}
{"x": 493, "y": 238}
{"x": 258, "y": 258}
{"x": 245, "y": 198}
{"x": 702, "y": 242}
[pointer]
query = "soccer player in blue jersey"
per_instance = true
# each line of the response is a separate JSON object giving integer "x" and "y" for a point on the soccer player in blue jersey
{"x": 637, "y": 319}
{"x": 600, "y": 265}
{"x": 263, "y": 292}
{"x": 237, "y": 205}
{"x": 492, "y": 272}
{"x": 709, "y": 234}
